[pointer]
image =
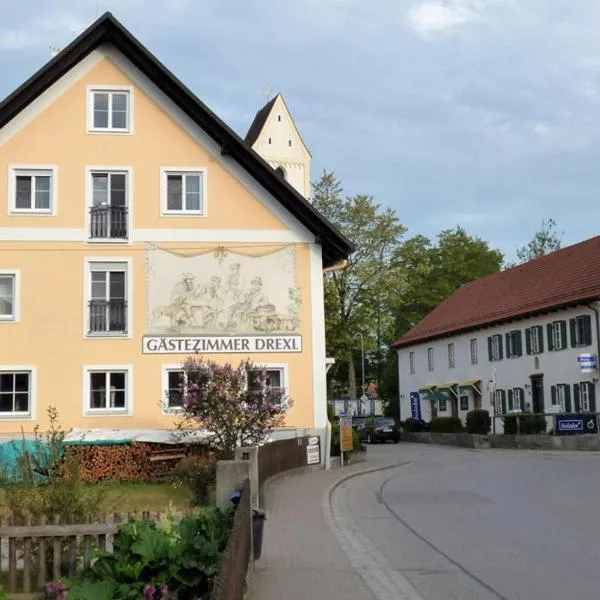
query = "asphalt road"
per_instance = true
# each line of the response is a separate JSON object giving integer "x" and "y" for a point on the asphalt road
{"x": 484, "y": 525}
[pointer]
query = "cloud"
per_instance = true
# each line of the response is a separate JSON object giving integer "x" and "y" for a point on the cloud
{"x": 49, "y": 30}
{"x": 438, "y": 17}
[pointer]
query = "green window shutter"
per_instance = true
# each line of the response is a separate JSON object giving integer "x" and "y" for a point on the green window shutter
{"x": 550, "y": 330}
{"x": 576, "y": 397}
{"x": 521, "y": 399}
{"x": 500, "y": 355}
{"x": 540, "y": 337}
{"x": 573, "y": 332}
{"x": 567, "y": 389}
{"x": 528, "y": 340}
{"x": 503, "y": 397}
{"x": 592, "y": 392}
{"x": 490, "y": 348}
{"x": 553, "y": 394}
{"x": 507, "y": 338}
{"x": 587, "y": 330}
{"x": 519, "y": 343}
{"x": 563, "y": 334}
{"x": 510, "y": 403}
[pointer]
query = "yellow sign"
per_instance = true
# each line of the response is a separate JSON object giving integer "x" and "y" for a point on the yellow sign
{"x": 346, "y": 433}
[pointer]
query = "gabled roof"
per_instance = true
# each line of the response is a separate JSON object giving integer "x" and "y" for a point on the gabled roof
{"x": 107, "y": 30}
{"x": 566, "y": 277}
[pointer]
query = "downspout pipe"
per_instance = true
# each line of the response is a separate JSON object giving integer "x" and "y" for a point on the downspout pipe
{"x": 593, "y": 307}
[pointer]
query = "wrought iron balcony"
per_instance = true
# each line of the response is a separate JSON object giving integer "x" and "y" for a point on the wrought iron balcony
{"x": 108, "y": 222}
{"x": 107, "y": 316}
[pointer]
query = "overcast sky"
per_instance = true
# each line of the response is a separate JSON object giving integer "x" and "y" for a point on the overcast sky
{"x": 483, "y": 113}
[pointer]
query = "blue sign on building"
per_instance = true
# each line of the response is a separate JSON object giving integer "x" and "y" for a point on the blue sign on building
{"x": 576, "y": 424}
{"x": 415, "y": 406}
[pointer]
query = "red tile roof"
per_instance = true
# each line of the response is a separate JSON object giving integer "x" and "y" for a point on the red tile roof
{"x": 567, "y": 276}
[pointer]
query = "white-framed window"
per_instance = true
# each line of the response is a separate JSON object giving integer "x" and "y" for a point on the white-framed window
{"x": 173, "y": 382}
{"x": 442, "y": 404}
{"x": 276, "y": 376}
{"x": 107, "y": 389}
{"x": 430, "y": 359}
{"x": 183, "y": 191}
{"x": 9, "y": 295}
{"x": 495, "y": 347}
{"x": 473, "y": 344}
{"x": 17, "y": 392}
{"x": 561, "y": 397}
{"x": 451, "y": 357}
{"x": 581, "y": 331}
{"x": 557, "y": 335}
{"x": 514, "y": 347}
{"x": 498, "y": 401}
{"x": 411, "y": 361}
{"x": 537, "y": 339}
{"x": 108, "y": 305}
{"x": 585, "y": 395}
{"x": 32, "y": 189}
{"x": 110, "y": 109}
{"x": 514, "y": 400}
{"x": 108, "y": 200}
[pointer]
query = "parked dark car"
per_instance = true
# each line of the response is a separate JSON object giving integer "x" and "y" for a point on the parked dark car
{"x": 380, "y": 429}
{"x": 358, "y": 422}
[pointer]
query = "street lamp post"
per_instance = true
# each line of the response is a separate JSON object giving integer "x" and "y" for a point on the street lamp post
{"x": 362, "y": 353}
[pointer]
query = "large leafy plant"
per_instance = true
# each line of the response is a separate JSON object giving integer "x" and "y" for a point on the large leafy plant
{"x": 164, "y": 560}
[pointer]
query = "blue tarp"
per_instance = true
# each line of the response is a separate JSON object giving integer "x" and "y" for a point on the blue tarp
{"x": 11, "y": 452}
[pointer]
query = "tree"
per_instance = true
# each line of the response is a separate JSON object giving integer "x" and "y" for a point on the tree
{"x": 435, "y": 271}
{"x": 357, "y": 298}
{"x": 545, "y": 240}
{"x": 235, "y": 404}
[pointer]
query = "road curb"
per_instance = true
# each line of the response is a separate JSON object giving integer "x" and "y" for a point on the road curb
{"x": 384, "y": 581}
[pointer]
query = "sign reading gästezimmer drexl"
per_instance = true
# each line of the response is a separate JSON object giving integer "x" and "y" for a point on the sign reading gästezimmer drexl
{"x": 221, "y": 344}
{"x": 576, "y": 424}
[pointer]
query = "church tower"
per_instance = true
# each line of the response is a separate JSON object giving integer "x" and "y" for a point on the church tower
{"x": 273, "y": 134}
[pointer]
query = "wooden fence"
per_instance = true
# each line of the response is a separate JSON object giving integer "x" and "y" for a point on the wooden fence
{"x": 32, "y": 553}
{"x": 280, "y": 456}
{"x": 229, "y": 584}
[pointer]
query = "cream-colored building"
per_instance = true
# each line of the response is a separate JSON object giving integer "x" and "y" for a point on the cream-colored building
{"x": 136, "y": 229}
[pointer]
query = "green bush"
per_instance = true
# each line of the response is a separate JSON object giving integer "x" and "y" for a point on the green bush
{"x": 335, "y": 441}
{"x": 198, "y": 472}
{"x": 530, "y": 424}
{"x": 479, "y": 422}
{"x": 166, "y": 560}
{"x": 446, "y": 425}
{"x": 411, "y": 425}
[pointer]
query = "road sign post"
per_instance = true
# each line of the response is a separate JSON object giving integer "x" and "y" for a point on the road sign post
{"x": 345, "y": 435}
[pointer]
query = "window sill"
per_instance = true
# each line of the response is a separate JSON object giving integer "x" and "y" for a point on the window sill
{"x": 108, "y": 336}
{"x": 16, "y": 417}
{"x": 108, "y": 241}
{"x": 98, "y": 412}
{"x": 167, "y": 412}
{"x": 31, "y": 213}
{"x": 107, "y": 131}
{"x": 8, "y": 320}
{"x": 182, "y": 214}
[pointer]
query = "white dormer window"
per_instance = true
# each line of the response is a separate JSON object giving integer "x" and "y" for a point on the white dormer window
{"x": 110, "y": 110}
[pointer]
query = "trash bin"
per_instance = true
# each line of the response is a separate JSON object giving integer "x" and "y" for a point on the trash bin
{"x": 258, "y": 524}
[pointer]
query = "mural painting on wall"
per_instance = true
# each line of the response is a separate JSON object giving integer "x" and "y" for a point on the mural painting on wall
{"x": 222, "y": 291}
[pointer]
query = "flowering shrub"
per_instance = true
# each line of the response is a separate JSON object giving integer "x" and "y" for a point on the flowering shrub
{"x": 236, "y": 404}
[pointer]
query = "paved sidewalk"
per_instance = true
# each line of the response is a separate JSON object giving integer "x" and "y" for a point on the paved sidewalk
{"x": 301, "y": 557}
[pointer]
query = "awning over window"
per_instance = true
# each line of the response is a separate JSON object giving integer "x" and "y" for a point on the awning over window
{"x": 474, "y": 384}
{"x": 451, "y": 387}
{"x": 427, "y": 388}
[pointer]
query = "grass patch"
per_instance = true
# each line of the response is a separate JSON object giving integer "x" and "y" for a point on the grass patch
{"x": 124, "y": 497}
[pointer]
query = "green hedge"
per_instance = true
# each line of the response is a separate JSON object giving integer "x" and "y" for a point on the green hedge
{"x": 446, "y": 425}
{"x": 414, "y": 425}
{"x": 530, "y": 424}
{"x": 335, "y": 441}
{"x": 479, "y": 422}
